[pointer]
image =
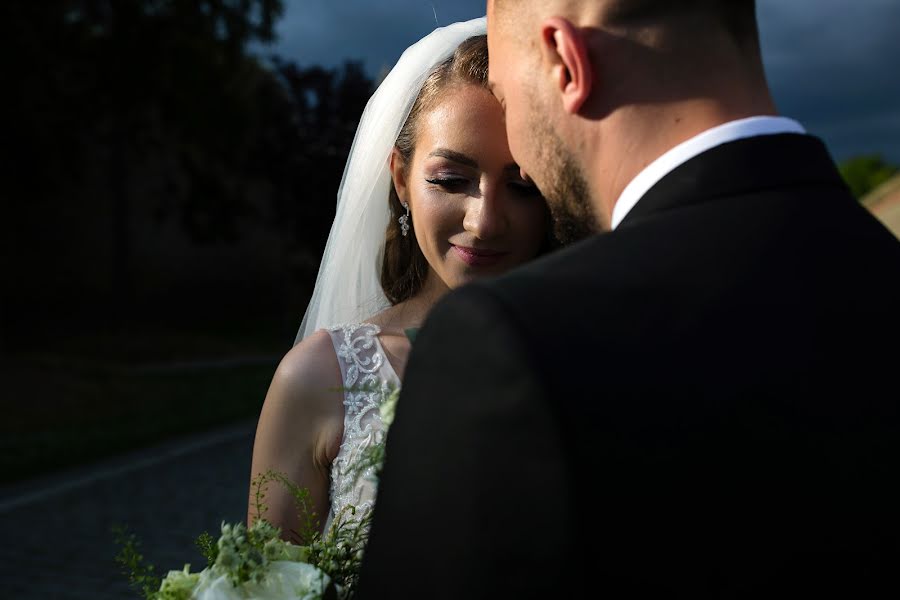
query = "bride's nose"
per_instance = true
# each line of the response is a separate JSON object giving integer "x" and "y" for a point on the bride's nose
{"x": 485, "y": 215}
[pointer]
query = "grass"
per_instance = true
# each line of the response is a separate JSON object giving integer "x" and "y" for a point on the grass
{"x": 82, "y": 402}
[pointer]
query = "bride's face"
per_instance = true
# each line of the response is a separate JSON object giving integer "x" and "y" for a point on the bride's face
{"x": 473, "y": 215}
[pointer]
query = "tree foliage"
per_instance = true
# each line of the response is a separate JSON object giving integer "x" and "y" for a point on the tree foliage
{"x": 865, "y": 173}
{"x": 134, "y": 107}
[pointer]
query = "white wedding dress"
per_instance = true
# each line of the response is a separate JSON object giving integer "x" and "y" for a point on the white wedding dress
{"x": 368, "y": 378}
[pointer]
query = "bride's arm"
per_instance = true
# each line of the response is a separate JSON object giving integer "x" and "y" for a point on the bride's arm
{"x": 299, "y": 432}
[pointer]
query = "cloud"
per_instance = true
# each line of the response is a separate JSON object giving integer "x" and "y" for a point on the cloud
{"x": 829, "y": 65}
{"x": 829, "y": 62}
{"x": 328, "y": 32}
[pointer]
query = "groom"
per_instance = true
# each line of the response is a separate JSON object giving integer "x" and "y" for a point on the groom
{"x": 698, "y": 398}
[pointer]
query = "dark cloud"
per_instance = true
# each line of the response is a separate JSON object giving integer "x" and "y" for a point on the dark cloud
{"x": 830, "y": 66}
{"x": 328, "y": 32}
{"x": 829, "y": 61}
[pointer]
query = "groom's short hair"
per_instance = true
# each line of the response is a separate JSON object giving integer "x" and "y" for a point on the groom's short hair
{"x": 736, "y": 16}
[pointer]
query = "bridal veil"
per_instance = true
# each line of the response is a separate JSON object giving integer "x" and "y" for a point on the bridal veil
{"x": 348, "y": 287}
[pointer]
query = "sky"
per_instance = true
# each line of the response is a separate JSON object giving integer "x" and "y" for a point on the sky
{"x": 830, "y": 63}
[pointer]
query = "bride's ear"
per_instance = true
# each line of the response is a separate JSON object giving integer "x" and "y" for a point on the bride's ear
{"x": 398, "y": 174}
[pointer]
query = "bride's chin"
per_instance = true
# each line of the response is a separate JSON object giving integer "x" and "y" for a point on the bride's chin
{"x": 463, "y": 273}
{"x": 461, "y": 279}
{"x": 469, "y": 276}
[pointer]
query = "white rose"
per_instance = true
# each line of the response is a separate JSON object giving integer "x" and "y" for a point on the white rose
{"x": 287, "y": 580}
{"x": 215, "y": 586}
{"x": 179, "y": 584}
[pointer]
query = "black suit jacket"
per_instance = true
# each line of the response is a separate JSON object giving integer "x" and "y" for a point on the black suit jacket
{"x": 702, "y": 402}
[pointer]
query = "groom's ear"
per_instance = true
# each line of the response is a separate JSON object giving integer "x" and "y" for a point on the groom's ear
{"x": 398, "y": 173}
{"x": 565, "y": 51}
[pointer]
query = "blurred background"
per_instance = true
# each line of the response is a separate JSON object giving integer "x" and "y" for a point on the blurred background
{"x": 172, "y": 168}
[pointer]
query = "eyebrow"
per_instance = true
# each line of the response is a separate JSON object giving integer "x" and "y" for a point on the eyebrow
{"x": 468, "y": 161}
{"x": 455, "y": 157}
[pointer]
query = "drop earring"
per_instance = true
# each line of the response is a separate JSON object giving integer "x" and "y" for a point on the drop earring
{"x": 404, "y": 220}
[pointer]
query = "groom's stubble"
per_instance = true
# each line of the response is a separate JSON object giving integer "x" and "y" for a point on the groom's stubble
{"x": 564, "y": 185}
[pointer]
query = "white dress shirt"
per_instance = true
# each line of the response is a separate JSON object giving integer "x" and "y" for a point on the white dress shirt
{"x": 683, "y": 152}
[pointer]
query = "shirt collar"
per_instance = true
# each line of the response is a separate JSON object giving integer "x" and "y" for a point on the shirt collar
{"x": 683, "y": 152}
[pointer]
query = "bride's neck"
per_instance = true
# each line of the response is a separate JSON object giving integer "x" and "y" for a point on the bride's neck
{"x": 420, "y": 305}
{"x": 411, "y": 313}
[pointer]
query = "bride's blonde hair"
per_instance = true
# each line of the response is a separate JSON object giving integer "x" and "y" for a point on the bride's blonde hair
{"x": 404, "y": 267}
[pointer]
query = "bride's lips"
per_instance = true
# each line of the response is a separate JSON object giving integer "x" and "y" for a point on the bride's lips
{"x": 478, "y": 257}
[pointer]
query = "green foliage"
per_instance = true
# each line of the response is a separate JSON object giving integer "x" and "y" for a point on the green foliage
{"x": 109, "y": 85}
{"x": 865, "y": 173}
{"x": 340, "y": 552}
{"x": 137, "y": 119}
{"x": 141, "y": 574}
{"x": 178, "y": 585}
{"x": 206, "y": 543}
{"x": 309, "y": 521}
{"x": 245, "y": 554}
{"x": 114, "y": 88}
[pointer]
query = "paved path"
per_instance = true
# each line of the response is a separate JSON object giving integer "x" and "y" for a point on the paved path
{"x": 55, "y": 533}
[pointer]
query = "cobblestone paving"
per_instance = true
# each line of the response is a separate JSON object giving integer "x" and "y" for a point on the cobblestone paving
{"x": 55, "y": 534}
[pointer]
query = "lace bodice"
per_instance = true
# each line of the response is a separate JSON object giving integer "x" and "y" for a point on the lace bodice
{"x": 367, "y": 378}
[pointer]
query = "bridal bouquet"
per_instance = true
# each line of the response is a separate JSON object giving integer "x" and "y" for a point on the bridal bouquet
{"x": 255, "y": 563}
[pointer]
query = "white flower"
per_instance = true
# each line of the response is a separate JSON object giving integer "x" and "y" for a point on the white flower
{"x": 283, "y": 580}
{"x": 215, "y": 586}
{"x": 289, "y": 580}
{"x": 178, "y": 584}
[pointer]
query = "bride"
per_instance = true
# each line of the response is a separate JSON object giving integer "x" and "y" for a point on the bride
{"x": 430, "y": 199}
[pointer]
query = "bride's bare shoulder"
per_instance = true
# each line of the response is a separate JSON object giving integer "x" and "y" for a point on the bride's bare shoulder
{"x": 301, "y": 422}
{"x": 309, "y": 376}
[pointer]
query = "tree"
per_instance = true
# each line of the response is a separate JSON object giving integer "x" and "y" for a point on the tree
{"x": 865, "y": 173}
{"x": 123, "y": 107}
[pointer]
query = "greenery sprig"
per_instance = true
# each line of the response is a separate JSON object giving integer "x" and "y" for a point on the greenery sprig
{"x": 141, "y": 574}
{"x": 309, "y": 520}
{"x": 244, "y": 555}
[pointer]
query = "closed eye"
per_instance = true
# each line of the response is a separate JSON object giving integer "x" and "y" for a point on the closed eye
{"x": 451, "y": 184}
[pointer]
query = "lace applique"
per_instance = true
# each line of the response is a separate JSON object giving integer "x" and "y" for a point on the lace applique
{"x": 368, "y": 378}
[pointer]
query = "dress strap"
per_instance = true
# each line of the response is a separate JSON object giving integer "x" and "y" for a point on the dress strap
{"x": 367, "y": 379}
{"x": 358, "y": 352}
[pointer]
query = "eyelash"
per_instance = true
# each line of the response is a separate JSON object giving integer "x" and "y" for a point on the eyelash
{"x": 454, "y": 183}
{"x": 448, "y": 183}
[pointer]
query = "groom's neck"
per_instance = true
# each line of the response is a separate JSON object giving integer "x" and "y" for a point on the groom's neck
{"x": 643, "y": 121}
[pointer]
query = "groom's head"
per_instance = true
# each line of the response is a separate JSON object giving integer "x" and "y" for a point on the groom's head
{"x": 594, "y": 90}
